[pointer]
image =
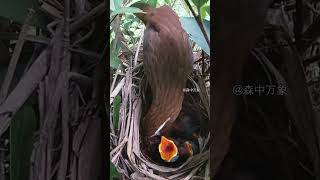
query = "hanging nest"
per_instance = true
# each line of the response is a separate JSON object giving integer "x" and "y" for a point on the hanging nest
{"x": 125, "y": 141}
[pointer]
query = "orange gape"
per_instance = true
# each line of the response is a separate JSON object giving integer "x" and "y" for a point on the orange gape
{"x": 167, "y": 63}
{"x": 237, "y": 23}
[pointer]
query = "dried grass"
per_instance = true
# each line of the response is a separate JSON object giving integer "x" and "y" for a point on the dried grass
{"x": 125, "y": 142}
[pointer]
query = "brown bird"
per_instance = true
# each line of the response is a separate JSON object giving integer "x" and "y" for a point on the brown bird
{"x": 168, "y": 61}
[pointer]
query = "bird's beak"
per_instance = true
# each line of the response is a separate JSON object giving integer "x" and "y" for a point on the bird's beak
{"x": 145, "y": 8}
{"x": 168, "y": 150}
{"x": 189, "y": 148}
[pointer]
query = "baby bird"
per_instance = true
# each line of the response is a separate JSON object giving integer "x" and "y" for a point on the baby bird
{"x": 174, "y": 142}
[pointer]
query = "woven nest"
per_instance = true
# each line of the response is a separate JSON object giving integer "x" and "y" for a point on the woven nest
{"x": 126, "y": 154}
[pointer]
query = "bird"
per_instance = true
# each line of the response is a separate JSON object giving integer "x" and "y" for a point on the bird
{"x": 174, "y": 143}
{"x": 170, "y": 128}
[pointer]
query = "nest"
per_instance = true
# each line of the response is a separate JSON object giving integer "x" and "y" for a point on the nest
{"x": 126, "y": 154}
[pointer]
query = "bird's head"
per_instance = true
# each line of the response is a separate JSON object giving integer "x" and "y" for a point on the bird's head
{"x": 171, "y": 151}
{"x": 147, "y": 9}
{"x": 168, "y": 150}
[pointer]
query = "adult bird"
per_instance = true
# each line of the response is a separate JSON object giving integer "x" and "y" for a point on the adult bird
{"x": 167, "y": 62}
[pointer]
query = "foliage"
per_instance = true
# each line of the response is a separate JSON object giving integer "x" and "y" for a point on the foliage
{"x": 130, "y": 26}
{"x": 202, "y": 7}
{"x": 191, "y": 27}
{"x": 116, "y": 111}
{"x": 114, "y": 175}
{"x": 114, "y": 59}
{"x": 125, "y": 10}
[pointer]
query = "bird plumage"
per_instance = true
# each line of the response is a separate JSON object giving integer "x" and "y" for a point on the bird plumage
{"x": 167, "y": 61}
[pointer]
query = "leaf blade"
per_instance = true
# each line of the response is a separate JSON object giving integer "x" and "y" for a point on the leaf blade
{"x": 116, "y": 111}
{"x": 199, "y": 3}
{"x": 113, "y": 172}
{"x": 126, "y": 10}
{"x": 190, "y": 25}
{"x": 114, "y": 60}
{"x": 117, "y": 4}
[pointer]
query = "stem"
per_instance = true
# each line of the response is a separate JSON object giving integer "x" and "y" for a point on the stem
{"x": 198, "y": 19}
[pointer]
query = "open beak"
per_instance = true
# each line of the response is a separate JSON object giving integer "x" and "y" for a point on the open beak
{"x": 168, "y": 150}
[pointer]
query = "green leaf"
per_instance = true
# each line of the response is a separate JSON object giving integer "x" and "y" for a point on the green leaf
{"x": 191, "y": 26}
{"x": 199, "y": 3}
{"x": 204, "y": 10}
{"x": 126, "y": 10}
{"x": 112, "y": 7}
{"x": 127, "y": 25}
{"x": 207, "y": 9}
{"x": 152, "y": 3}
{"x": 114, "y": 60}
{"x": 167, "y": 1}
{"x": 113, "y": 172}
{"x": 17, "y": 9}
{"x": 117, "y": 4}
{"x": 22, "y": 130}
{"x": 128, "y": 33}
{"x": 116, "y": 111}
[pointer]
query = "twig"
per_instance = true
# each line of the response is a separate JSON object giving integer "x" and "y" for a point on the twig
{"x": 200, "y": 24}
{"x": 86, "y": 52}
{"x": 53, "y": 24}
{"x": 115, "y": 78}
{"x": 86, "y": 36}
{"x": 15, "y": 57}
{"x": 51, "y": 11}
{"x": 117, "y": 90}
{"x": 203, "y": 64}
{"x": 314, "y": 10}
{"x": 138, "y": 49}
{"x": 311, "y": 60}
{"x": 173, "y": 3}
{"x": 114, "y": 17}
{"x": 65, "y": 100}
{"x": 24, "y": 89}
{"x": 37, "y": 39}
{"x": 86, "y": 19}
